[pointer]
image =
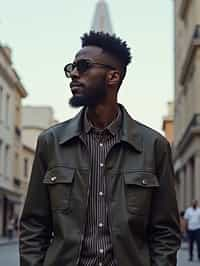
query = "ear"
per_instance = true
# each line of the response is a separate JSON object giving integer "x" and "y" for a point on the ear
{"x": 113, "y": 77}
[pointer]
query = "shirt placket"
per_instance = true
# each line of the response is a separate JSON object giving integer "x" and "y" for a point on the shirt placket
{"x": 101, "y": 194}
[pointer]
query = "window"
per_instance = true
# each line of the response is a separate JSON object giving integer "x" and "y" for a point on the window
{"x": 1, "y": 102}
{"x": 6, "y": 158}
{"x": 192, "y": 163}
{"x": 17, "y": 115}
{"x": 196, "y": 34}
{"x": 17, "y": 165}
{"x": 7, "y": 109}
{"x": 1, "y": 170}
{"x": 26, "y": 164}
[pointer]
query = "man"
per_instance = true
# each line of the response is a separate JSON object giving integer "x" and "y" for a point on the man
{"x": 102, "y": 185}
{"x": 192, "y": 217}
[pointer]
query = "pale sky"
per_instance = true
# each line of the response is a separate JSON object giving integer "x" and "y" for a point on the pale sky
{"x": 45, "y": 35}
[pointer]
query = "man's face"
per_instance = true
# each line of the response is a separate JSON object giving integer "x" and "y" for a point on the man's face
{"x": 89, "y": 88}
{"x": 194, "y": 203}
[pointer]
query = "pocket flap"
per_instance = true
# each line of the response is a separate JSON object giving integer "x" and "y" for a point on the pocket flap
{"x": 59, "y": 175}
{"x": 141, "y": 179}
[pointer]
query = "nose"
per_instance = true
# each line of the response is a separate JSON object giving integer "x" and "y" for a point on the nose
{"x": 74, "y": 74}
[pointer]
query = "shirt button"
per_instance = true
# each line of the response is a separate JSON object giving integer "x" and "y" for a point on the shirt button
{"x": 101, "y": 193}
{"x": 144, "y": 182}
{"x": 53, "y": 178}
{"x": 101, "y": 250}
{"x": 101, "y": 164}
{"x": 100, "y": 224}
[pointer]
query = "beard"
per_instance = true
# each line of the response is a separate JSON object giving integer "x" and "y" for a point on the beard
{"x": 92, "y": 98}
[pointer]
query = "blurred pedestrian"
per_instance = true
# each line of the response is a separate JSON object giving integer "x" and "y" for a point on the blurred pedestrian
{"x": 183, "y": 226}
{"x": 16, "y": 225}
{"x": 192, "y": 217}
{"x": 11, "y": 227}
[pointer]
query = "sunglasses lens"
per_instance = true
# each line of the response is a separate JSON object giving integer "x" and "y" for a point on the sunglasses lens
{"x": 68, "y": 69}
{"x": 82, "y": 66}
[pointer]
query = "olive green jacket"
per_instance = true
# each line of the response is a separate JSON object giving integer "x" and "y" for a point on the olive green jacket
{"x": 140, "y": 191}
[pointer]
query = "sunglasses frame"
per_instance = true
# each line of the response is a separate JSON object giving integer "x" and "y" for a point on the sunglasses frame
{"x": 90, "y": 65}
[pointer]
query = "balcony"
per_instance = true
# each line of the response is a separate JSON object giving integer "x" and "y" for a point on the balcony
{"x": 194, "y": 44}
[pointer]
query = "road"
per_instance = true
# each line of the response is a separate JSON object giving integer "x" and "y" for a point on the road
{"x": 9, "y": 257}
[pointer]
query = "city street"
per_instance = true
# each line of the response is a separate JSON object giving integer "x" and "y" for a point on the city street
{"x": 183, "y": 259}
{"x": 9, "y": 257}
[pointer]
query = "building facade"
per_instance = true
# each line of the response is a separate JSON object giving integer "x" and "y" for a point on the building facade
{"x": 35, "y": 119}
{"x": 187, "y": 101}
{"x": 11, "y": 94}
{"x": 28, "y": 154}
{"x": 168, "y": 123}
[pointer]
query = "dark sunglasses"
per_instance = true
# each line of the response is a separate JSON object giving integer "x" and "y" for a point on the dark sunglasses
{"x": 82, "y": 66}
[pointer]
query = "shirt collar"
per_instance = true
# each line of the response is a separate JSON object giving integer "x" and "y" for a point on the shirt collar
{"x": 113, "y": 127}
{"x": 131, "y": 131}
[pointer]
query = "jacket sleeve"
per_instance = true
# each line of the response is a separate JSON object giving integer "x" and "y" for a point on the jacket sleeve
{"x": 164, "y": 229}
{"x": 35, "y": 221}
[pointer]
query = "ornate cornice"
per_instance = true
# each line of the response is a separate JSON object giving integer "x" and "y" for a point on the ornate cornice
{"x": 34, "y": 127}
{"x": 194, "y": 45}
{"x": 193, "y": 129}
{"x": 13, "y": 83}
{"x": 5, "y": 55}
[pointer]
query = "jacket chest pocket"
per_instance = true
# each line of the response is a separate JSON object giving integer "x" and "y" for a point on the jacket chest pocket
{"x": 60, "y": 182}
{"x": 139, "y": 188}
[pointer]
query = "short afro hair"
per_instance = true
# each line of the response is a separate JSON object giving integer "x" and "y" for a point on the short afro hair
{"x": 109, "y": 43}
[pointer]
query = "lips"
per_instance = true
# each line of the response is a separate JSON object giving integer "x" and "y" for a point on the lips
{"x": 75, "y": 85}
{"x": 76, "y": 88}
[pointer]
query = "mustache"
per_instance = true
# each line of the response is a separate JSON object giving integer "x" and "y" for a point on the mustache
{"x": 75, "y": 83}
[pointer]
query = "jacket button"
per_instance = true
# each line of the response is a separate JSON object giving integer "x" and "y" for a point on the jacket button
{"x": 53, "y": 178}
{"x": 144, "y": 182}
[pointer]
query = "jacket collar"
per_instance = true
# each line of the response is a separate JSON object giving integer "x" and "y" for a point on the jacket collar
{"x": 129, "y": 131}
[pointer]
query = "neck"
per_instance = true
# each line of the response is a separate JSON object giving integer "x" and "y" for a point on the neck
{"x": 102, "y": 115}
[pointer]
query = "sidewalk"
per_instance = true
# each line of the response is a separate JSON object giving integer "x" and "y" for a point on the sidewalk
{"x": 184, "y": 245}
{"x": 5, "y": 241}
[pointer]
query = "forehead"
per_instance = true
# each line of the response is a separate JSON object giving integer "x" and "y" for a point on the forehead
{"x": 89, "y": 52}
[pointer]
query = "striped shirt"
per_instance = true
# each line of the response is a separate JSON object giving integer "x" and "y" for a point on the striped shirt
{"x": 97, "y": 245}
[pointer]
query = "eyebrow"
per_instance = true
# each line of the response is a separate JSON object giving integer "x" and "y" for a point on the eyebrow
{"x": 78, "y": 59}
